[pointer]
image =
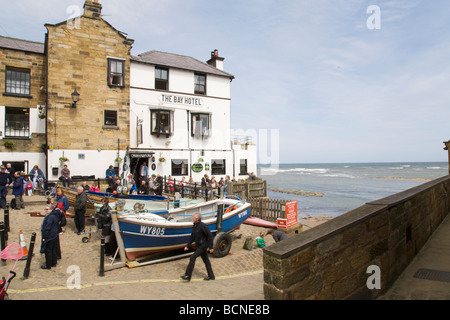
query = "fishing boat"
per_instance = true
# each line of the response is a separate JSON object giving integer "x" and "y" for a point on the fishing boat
{"x": 139, "y": 197}
{"x": 92, "y": 200}
{"x": 140, "y": 233}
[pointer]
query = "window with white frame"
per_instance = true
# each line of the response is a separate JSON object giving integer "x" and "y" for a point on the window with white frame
{"x": 201, "y": 125}
{"x": 200, "y": 83}
{"x": 17, "y": 122}
{"x": 17, "y": 81}
{"x": 116, "y": 72}
{"x": 179, "y": 168}
{"x": 161, "y": 78}
{"x": 161, "y": 122}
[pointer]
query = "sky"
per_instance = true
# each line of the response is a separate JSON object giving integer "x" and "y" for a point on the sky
{"x": 316, "y": 81}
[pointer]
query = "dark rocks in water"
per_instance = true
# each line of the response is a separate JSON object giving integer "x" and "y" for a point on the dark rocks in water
{"x": 298, "y": 192}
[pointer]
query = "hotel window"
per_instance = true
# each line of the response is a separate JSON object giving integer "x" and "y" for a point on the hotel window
{"x": 17, "y": 122}
{"x": 17, "y": 81}
{"x": 200, "y": 83}
{"x": 110, "y": 118}
{"x": 161, "y": 78}
{"x": 116, "y": 72}
{"x": 179, "y": 168}
{"x": 201, "y": 125}
{"x": 218, "y": 167}
{"x": 160, "y": 122}
{"x": 243, "y": 167}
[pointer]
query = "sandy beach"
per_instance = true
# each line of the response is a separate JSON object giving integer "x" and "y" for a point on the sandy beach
{"x": 79, "y": 266}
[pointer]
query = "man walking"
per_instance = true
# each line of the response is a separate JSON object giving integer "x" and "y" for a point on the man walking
{"x": 80, "y": 210}
{"x": 203, "y": 242}
{"x": 18, "y": 185}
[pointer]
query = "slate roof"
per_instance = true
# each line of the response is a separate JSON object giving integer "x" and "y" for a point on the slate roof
{"x": 178, "y": 61}
{"x": 21, "y": 45}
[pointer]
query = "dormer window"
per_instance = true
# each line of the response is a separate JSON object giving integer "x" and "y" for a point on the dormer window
{"x": 116, "y": 72}
{"x": 161, "y": 78}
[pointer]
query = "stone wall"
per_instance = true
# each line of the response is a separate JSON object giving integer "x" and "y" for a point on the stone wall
{"x": 35, "y": 62}
{"x": 78, "y": 53}
{"x": 331, "y": 260}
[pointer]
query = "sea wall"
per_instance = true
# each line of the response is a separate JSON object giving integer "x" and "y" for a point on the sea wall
{"x": 377, "y": 241}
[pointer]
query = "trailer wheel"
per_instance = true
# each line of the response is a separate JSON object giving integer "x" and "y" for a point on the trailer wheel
{"x": 222, "y": 244}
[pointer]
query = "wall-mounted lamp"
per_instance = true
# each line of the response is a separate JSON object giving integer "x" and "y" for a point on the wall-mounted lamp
{"x": 75, "y": 98}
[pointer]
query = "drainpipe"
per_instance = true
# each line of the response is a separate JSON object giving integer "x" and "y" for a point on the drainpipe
{"x": 46, "y": 104}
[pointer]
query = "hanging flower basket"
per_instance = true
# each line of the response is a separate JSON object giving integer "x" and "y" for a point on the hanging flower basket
{"x": 62, "y": 160}
{"x": 162, "y": 159}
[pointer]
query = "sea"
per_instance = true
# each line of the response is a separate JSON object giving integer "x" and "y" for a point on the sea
{"x": 345, "y": 186}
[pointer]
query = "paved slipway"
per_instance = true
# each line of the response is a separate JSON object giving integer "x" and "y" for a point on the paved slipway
{"x": 239, "y": 276}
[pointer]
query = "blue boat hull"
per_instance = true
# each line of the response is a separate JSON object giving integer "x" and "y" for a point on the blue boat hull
{"x": 142, "y": 239}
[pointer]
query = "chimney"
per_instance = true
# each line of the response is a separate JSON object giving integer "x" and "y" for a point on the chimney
{"x": 92, "y": 9}
{"x": 216, "y": 61}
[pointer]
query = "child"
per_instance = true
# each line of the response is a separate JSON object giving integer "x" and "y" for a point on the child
{"x": 29, "y": 187}
{"x": 260, "y": 242}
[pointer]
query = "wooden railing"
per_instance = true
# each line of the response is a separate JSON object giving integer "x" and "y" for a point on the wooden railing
{"x": 268, "y": 209}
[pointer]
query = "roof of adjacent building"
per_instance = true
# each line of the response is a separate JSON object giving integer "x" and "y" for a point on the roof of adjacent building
{"x": 22, "y": 45}
{"x": 151, "y": 57}
{"x": 172, "y": 60}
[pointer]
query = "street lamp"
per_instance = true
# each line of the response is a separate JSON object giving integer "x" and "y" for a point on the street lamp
{"x": 75, "y": 98}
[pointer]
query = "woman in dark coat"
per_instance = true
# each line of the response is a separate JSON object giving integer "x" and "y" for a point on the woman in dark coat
{"x": 50, "y": 234}
{"x": 105, "y": 222}
{"x": 60, "y": 215}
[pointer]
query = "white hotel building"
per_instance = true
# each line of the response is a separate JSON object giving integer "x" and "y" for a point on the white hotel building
{"x": 181, "y": 114}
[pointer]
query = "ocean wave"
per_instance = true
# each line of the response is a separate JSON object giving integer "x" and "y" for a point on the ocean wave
{"x": 294, "y": 170}
{"x": 434, "y": 168}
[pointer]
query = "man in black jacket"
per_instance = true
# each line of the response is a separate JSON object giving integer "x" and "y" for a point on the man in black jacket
{"x": 80, "y": 210}
{"x": 203, "y": 242}
{"x": 5, "y": 179}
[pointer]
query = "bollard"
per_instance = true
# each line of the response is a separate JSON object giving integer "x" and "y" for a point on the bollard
{"x": 102, "y": 257}
{"x": 26, "y": 271}
{"x": 6, "y": 218}
{"x": 3, "y": 240}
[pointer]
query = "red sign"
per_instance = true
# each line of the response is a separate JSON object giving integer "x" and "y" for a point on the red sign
{"x": 291, "y": 216}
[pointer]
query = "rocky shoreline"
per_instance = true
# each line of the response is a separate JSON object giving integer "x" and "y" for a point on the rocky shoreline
{"x": 298, "y": 192}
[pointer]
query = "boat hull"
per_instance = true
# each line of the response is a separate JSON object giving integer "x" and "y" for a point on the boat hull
{"x": 142, "y": 238}
{"x": 142, "y": 197}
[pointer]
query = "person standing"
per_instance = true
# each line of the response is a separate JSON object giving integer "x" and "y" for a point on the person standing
{"x": 61, "y": 217}
{"x": 80, "y": 206}
{"x": 49, "y": 232}
{"x": 105, "y": 221}
{"x": 203, "y": 239}
{"x": 17, "y": 191}
{"x": 143, "y": 171}
{"x": 5, "y": 179}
